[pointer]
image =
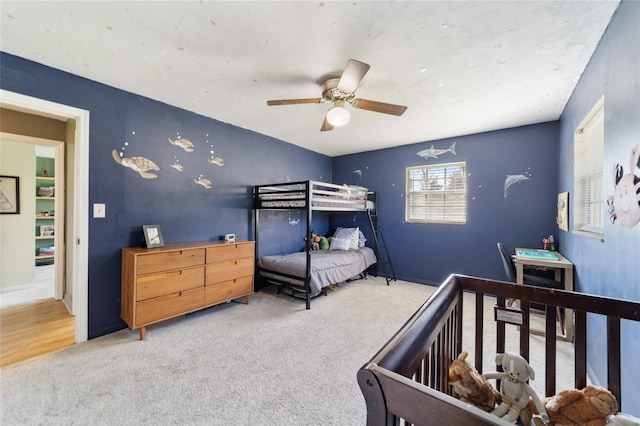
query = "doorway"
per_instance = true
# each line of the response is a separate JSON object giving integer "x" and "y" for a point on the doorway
{"x": 32, "y": 249}
{"x": 76, "y": 197}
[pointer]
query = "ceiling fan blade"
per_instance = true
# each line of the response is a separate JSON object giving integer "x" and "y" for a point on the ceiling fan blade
{"x": 295, "y": 101}
{"x": 379, "y": 106}
{"x": 325, "y": 125}
{"x": 352, "y": 75}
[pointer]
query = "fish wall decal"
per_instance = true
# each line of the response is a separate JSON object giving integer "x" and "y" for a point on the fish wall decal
{"x": 433, "y": 152}
{"x": 510, "y": 180}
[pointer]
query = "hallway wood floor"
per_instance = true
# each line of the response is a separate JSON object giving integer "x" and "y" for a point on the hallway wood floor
{"x": 31, "y": 330}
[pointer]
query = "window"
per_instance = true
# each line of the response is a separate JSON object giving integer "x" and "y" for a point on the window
{"x": 588, "y": 183}
{"x": 437, "y": 194}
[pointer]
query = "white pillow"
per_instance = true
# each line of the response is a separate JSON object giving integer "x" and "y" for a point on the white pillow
{"x": 361, "y": 239}
{"x": 351, "y": 234}
{"x": 339, "y": 244}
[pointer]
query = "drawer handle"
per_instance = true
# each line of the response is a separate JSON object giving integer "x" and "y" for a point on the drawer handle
{"x": 174, "y": 274}
{"x": 175, "y": 253}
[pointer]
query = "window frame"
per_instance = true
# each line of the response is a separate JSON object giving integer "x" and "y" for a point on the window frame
{"x": 458, "y": 193}
{"x": 589, "y": 200}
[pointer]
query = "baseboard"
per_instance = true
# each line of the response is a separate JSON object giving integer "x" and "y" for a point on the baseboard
{"x": 17, "y": 287}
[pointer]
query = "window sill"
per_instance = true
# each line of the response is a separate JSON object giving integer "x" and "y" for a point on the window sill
{"x": 590, "y": 235}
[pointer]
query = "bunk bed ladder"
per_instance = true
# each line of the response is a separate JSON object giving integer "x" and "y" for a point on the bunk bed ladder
{"x": 381, "y": 246}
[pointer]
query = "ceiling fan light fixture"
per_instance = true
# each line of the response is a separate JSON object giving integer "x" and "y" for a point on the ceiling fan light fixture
{"x": 338, "y": 116}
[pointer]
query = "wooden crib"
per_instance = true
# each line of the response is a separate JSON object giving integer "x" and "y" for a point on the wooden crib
{"x": 406, "y": 382}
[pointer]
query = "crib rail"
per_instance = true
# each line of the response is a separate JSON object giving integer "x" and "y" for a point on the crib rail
{"x": 407, "y": 382}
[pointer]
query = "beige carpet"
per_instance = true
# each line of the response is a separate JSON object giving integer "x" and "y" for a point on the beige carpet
{"x": 267, "y": 363}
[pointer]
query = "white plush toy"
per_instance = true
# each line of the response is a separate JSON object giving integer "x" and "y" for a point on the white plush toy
{"x": 622, "y": 419}
{"x": 514, "y": 388}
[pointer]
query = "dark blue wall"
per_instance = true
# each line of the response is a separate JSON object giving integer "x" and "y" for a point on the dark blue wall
{"x": 185, "y": 211}
{"x": 428, "y": 253}
{"x": 612, "y": 267}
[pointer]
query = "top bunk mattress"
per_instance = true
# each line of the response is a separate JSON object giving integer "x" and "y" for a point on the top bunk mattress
{"x": 323, "y": 196}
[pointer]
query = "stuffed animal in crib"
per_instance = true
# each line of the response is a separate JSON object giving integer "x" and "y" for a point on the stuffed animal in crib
{"x": 590, "y": 406}
{"x": 514, "y": 390}
{"x": 622, "y": 419}
{"x": 469, "y": 386}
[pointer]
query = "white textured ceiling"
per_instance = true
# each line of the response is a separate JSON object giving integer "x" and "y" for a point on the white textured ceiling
{"x": 461, "y": 67}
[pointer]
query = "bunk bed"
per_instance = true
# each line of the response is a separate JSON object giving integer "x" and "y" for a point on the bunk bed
{"x": 406, "y": 382}
{"x": 308, "y": 274}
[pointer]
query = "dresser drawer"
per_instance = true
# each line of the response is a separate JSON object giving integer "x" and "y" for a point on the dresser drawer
{"x": 168, "y": 260}
{"x": 162, "y": 283}
{"x": 227, "y": 290}
{"x": 164, "y": 307}
{"x": 225, "y": 271}
{"x": 229, "y": 251}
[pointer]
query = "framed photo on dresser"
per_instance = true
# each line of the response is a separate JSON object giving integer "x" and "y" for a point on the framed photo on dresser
{"x": 152, "y": 236}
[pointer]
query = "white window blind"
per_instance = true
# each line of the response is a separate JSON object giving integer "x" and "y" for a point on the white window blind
{"x": 437, "y": 194}
{"x": 588, "y": 173}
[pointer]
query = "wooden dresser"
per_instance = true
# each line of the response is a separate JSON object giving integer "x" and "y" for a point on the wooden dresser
{"x": 166, "y": 282}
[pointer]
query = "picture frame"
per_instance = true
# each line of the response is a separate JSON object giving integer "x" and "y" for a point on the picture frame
{"x": 9, "y": 195}
{"x": 562, "y": 219}
{"x": 152, "y": 236}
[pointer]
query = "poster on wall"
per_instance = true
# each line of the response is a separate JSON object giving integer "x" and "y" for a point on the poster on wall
{"x": 9, "y": 195}
{"x": 624, "y": 204}
{"x": 563, "y": 211}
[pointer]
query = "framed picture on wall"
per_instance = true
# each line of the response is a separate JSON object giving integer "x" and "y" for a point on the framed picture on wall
{"x": 563, "y": 211}
{"x": 9, "y": 195}
{"x": 152, "y": 236}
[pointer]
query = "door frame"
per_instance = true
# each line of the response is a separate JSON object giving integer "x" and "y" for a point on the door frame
{"x": 77, "y": 248}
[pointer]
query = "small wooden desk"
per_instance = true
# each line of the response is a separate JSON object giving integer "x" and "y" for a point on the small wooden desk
{"x": 561, "y": 265}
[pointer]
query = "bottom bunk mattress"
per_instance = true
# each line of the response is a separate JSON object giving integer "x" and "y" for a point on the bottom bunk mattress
{"x": 327, "y": 266}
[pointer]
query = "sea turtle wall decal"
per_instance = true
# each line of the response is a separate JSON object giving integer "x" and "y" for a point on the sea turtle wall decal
{"x": 141, "y": 165}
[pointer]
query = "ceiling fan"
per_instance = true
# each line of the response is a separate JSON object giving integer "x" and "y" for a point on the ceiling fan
{"x": 342, "y": 89}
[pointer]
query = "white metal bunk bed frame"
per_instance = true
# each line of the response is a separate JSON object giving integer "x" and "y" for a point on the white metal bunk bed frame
{"x": 309, "y": 196}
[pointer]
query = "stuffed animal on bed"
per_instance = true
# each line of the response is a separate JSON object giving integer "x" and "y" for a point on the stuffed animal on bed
{"x": 590, "y": 406}
{"x": 323, "y": 243}
{"x": 315, "y": 242}
{"x": 515, "y": 391}
{"x": 318, "y": 242}
{"x": 469, "y": 386}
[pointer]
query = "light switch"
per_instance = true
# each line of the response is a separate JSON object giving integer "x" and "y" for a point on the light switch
{"x": 99, "y": 210}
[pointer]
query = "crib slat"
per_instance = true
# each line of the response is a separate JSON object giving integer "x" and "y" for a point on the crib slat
{"x": 580, "y": 348}
{"x": 500, "y": 330}
{"x": 613, "y": 357}
{"x": 479, "y": 330}
{"x": 524, "y": 330}
{"x": 550, "y": 351}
